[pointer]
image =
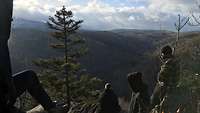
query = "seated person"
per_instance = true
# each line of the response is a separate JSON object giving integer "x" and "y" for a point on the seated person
{"x": 166, "y": 94}
{"x": 109, "y": 101}
{"x": 28, "y": 81}
{"x": 12, "y": 87}
{"x": 140, "y": 96}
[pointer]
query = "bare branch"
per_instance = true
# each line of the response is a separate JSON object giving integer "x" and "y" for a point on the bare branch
{"x": 197, "y": 22}
{"x": 184, "y": 23}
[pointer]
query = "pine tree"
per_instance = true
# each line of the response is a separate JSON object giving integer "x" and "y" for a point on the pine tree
{"x": 64, "y": 26}
{"x": 179, "y": 25}
{"x": 63, "y": 77}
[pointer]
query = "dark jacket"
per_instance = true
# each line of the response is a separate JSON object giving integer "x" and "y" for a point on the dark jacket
{"x": 109, "y": 102}
{"x": 140, "y": 103}
{"x": 169, "y": 74}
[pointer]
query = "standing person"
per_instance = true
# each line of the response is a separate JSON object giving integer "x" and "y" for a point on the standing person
{"x": 12, "y": 87}
{"x": 140, "y": 98}
{"x": 109, "y": 101}
{"x": 167, "y": 82}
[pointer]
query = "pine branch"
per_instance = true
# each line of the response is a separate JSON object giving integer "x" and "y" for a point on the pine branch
{"x": 57, "y": 22}
{"x": 51, "y": 26}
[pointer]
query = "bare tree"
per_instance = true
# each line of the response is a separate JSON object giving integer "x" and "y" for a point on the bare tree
{"x": 179, "y": 25}
{"x": 195, "y": 19}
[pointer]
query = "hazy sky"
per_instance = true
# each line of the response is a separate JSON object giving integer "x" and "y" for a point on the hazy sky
{"x": 111, "y": 14}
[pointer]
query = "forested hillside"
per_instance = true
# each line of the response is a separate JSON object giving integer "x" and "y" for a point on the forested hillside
{"x": 111, "y": 54}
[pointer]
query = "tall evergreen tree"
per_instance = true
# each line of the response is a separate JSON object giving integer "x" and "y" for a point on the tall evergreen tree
{"x": 63, "y": 77}
{"x": 64, "y": 26}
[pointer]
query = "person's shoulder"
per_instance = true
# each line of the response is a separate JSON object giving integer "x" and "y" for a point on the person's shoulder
{"x": 107, "y": 91}
{"x": 103, "y": 93}
{"x": 110, "y": 91}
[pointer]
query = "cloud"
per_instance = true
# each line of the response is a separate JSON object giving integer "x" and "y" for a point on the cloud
{"x": 41, "y": 6}
{"x": 172, "y": 6}
{"x": 99, "y": 14}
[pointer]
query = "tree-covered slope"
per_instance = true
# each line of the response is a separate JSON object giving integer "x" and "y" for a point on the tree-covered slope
{"x": 111, "y": 54}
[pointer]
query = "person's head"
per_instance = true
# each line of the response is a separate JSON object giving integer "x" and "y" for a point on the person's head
{"x": 166, "y": 52}
{"x": 108, "y": 86}
{"x": 134, "y": 80}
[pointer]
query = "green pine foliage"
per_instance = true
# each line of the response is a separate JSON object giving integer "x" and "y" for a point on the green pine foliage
{"x": 63, "y": 77}
{"x": 84, "y": 89}
{"x": 65, "y": 28}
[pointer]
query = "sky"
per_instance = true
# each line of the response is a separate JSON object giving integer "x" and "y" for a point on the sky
{"x": 112, "y": 14}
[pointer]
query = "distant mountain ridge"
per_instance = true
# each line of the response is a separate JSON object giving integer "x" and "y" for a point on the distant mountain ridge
{"x": 24, "y": 23}
{"x": 111, "y": 56}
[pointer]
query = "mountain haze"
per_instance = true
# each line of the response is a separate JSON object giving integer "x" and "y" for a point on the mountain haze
{"x": 111, "y": 56}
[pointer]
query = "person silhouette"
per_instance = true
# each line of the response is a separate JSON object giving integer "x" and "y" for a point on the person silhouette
{"x": 140, "y": 100}
{"x": 108, "y": 101}
{"x": 12, "y": 86}
{"x": 167, "y": 82}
